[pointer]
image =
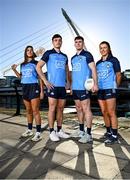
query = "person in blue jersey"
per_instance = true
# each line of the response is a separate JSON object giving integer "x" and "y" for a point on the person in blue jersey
{"x": 109, "y": 77}
{"x": 56, "y": 83}
{"x": 83, "y": 68}
{"x": 32, "y": 92}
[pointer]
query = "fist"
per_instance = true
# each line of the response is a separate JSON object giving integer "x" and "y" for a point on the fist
{"x": 14, "y": 66}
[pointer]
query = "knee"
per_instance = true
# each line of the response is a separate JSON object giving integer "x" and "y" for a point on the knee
{"x": 52, "y": 108}
{"x": 87, "y": 111}
{"x": 35, "y": 112}
{"x": 60, "y": 108}
{"x": 86, "y": 108}
{"x": 29, "y": 111}
{"x": 111, "y": 113}
{"x": 79, "y": 109}
{"x": 104, "y": 112}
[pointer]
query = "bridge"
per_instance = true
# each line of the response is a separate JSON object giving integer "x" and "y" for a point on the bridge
{"x": 41, "y": 40}
{"x": 67, "y": 159}
{"x": 13, "y": 53}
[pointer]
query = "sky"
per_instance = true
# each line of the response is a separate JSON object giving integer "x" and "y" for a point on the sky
{"x": 33, "y": 22}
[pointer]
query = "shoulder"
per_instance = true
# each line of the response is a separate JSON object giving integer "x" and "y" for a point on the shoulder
{"x": 48, "y": 52}
{"x": 73, "y": 56}
{"x": 88, "y": 55}
{"x": 64, "y": 55}
{"x": 34, "y": 62}
{"x": 98, "y": 62}
{"x": 45, "y": 56}
{"x": 116, "y": 64}
{"x": 114, "y": 59}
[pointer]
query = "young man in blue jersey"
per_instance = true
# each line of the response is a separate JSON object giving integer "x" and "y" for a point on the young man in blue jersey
{"x": 56, "y": 82}
{"x": 83, "y": 67}
{"x": 109, "y": 77}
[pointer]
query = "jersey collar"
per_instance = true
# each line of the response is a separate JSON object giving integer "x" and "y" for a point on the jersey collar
{"x": 108, "y": 57}
{"x": 53, "y": 50}
{"x": 81, "y": 53}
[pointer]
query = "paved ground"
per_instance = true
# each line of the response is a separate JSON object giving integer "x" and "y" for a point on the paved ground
{"x": 67, "y": 159}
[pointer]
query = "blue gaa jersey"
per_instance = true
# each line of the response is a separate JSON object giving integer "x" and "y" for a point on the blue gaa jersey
{"x": 29, "y": 73}
{"x": 56, "y": 67}
{"x": 106, "y": 71}
{"x": 80, "y": 69}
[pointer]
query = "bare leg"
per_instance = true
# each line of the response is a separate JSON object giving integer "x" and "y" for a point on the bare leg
{"x": 87, "y": 112}
{"x": 35, "y": 103}
{"x": 29, "y": 112}
{"x": 111, "y": 107}
{"x": 60, "y": 108}
{"x": 79, "y": 111}
{"x": 51, "y": 112}
{"x": 103, "y": 106}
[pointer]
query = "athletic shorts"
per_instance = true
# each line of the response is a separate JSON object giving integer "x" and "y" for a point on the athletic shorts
{"x": 31, "y": 91}
{"x": 57, "y": 93}
{"x": 81, "y": 95}
{"x": 107, "y": 94}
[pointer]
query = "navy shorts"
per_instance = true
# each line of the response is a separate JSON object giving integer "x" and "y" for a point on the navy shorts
{"x": 107, "y": 94}
{"x": 31, "y": 91}
{"x": 81, "y": 95}
{"x": 57, "y": 93}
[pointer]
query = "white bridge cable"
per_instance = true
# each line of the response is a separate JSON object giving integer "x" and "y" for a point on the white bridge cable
{"x": 41, "y": 39}
{"x": 28, "y": 36}
{"x": 8, "y": 67}
{"x": 10, "y": 51}
{"x": 21, "y": 55}
{"x": 70, "y": 28}
{"x": 61, "y": 33}
{"x": 94, "y": 45}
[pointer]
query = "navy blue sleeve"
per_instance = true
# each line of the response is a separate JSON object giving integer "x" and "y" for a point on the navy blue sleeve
{"x": 98, "y": 62}
{"x": 66, "y": 60}
{"x": 89, "y": 57}
{"x": 45, "y": 56}
{"x": 116, "y": 65}
{"x": 21, "y": 69}
{"x": 35, "y": 62}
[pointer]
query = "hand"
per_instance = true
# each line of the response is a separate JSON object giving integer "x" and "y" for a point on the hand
{"x": 14, "y": 66}
{"x": 41, "y": 95}
{"x": 48, "y": 85}
{"x": 94, "y": 88}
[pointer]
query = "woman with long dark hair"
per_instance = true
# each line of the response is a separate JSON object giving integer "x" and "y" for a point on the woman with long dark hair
{"x": 32, "y": 91}
{"x": 109, "y": 77}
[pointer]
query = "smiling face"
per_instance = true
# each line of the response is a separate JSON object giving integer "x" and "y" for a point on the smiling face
{"x": 29, "y": 52}
{"x": 79, "y": 44}
{"x": 104, "y": 49}
{"x": 57, "y": 42}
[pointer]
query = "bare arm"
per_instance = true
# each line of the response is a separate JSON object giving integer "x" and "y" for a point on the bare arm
{"x": 94, "y": 76}
{"x": 41, "y": 89}
{"x": 70, "y": 80}
{"x": 42, "y": 75}
{"x": 14, "y": 66}
{"x": 67, "y": 77}
{"x": 118, "y": 78}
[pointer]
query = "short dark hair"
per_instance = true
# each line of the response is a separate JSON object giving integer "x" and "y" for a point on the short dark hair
{"x": 79, "y": 37}
{"x": 56, "y": 36}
